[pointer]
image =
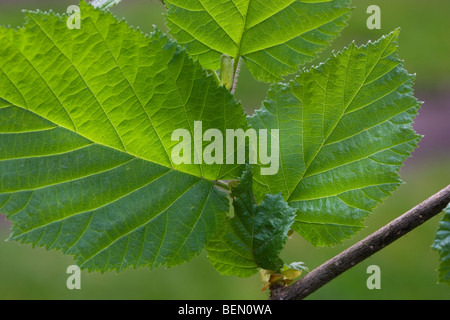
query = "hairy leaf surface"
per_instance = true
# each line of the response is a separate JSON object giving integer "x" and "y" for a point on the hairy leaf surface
{"x": 442, "y": 244}
{"x": 86, "y": 118}
{"x": 104, "y": 4}
{"x": 254, "y": 237}
{"x": 273, "y": 37}
{"x": 345, "y": 130}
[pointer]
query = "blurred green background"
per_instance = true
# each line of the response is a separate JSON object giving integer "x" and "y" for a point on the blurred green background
{"x": 408, "y": 267}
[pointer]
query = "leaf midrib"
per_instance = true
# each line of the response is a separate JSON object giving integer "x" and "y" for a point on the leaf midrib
{"x": 239, "y": 44}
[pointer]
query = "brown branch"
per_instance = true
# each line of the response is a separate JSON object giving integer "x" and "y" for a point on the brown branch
{"x": 364, "y": 249}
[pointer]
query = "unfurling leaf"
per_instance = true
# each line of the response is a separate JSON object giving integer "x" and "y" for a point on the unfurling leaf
{"x": 286, "y": 277}
{"x": 254, "y": 237}
{"x": 294, "y": 270}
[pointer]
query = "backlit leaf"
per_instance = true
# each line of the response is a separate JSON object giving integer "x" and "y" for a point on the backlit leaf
{"x": 86, "y": 118}
{"x": 345, "y": 130}
{"x": 273, "y": 37}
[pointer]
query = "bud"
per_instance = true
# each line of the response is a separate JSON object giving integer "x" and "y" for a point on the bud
{"x": 226, "y": 71}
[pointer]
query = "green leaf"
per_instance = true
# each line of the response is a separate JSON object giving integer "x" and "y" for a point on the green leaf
{"x": 345, "y": 130}
{"x": 442, "y": 244}
{"x": 254, "y": 237}
{"x": 86, "y": 118}
{"x": 104, "y": 4}
{"x": 273, "y": 37}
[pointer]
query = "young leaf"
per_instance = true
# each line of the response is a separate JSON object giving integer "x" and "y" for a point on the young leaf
{"x": 345, "y": 129}
{"x": 86, "y": 118}
{"x": 442, "y": 244}
{"x": 254, "y": 237}
{"x": 273, "y": 37}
